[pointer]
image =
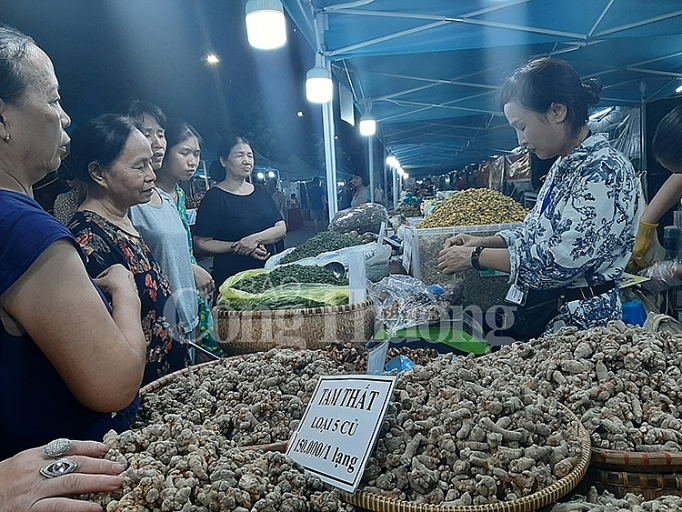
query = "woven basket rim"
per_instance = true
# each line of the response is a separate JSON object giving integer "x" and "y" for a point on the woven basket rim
{"x": 652, "y": 461}
{"x": 258, "y": 313}
{"x": 561, "y": 487}
{"x": 166, "y": 379}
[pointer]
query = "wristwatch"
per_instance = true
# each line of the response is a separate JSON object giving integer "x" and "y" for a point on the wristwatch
{"x": 474, "y": 259}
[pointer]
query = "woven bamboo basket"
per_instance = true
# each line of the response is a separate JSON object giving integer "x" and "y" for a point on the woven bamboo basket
{"x": 243, "y": 332}
{"x": 639, "y": 462}
{"x": 649, "y": 485}
{"x": 535, "y": 501}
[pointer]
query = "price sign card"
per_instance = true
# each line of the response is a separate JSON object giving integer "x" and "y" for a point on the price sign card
{"x": 340, "y": 426}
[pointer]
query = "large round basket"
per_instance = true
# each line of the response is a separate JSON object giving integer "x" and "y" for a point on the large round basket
{"x": 638, "y": 462}
{"x": 649, "y": 485}
{"x": 651, "y": 474}
{"x": 243, "y": 332}
{"x": 535, "y": 501}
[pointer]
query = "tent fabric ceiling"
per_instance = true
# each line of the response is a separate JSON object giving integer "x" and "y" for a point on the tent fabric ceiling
{"x": 429, "y": 70}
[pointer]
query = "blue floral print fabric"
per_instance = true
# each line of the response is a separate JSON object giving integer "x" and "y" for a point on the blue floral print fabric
{"x": 581, "y": 231}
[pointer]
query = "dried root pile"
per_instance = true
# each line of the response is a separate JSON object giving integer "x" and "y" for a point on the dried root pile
{"x": 464, "y": 433}
{"x": 184, "y": 455}
{"x": 354, "y": 357}
{"x": 624, "y": 383}
{"x": 607, "y": 502}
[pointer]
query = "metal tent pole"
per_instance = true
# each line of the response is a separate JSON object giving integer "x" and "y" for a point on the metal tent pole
{"x": 330, "y": 156}
{"x": 370, "y": 143}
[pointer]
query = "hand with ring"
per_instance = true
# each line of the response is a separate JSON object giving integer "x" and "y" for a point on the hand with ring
{"x": 34, "y": 481}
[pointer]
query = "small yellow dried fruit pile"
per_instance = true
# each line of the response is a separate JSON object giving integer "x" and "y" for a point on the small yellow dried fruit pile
{"x": 475, "y": 207}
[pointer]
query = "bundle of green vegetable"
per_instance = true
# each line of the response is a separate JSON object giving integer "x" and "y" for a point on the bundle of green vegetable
{"x": 325, "y": 241}
{"x": 287, "y": 275}
{"x": 288, "y": 287}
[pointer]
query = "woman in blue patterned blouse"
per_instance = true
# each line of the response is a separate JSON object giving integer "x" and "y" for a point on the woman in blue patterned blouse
{"x": 573, "y": 246}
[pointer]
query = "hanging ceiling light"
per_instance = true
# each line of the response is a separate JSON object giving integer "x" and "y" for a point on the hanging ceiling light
{"x": 265, "y": 25}
{"x": 368, "y": 125}
{"x": 319, "y": 87}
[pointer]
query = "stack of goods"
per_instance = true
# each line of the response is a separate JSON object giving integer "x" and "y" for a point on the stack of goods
{"x": 332, "y": 249}
{"x": 475, "y": 207}
{"x": 362, "y": 219}
{"x": 353, "y": 358}
{"x": 325, "y": 241}
{"x": 460, "y": 433}
{"x": 411, "y": 206}
{"x": 595, "y": 501}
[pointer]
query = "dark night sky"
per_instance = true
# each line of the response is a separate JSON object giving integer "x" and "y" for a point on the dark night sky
{"x": 106, "y": 51}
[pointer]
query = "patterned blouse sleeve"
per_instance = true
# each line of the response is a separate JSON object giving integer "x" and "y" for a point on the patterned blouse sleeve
{"x": 580, "y": 230}
{"x": 99, "y": 254}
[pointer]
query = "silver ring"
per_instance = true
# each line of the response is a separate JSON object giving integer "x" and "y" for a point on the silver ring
{"x": 57, "y": 448}
{"x": 58, "y": 468}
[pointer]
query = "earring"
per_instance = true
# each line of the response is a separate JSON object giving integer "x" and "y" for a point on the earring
{"x": 7, "y": 137}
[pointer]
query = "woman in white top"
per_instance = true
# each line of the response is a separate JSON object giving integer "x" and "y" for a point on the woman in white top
{"x": 160, "y": 224}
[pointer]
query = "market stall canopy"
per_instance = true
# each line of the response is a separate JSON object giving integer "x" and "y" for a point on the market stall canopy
{"x": 429, "y": 69}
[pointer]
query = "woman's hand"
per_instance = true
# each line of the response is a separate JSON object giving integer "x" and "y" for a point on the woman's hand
{"x": 261, "y": 253}
{"x": 249, "y": 244}
{"x": 463, "y": 240}
{"x": 117, "y": 281}
{"x": 455, "y": 258}
{"x": 203, "y": 281}
{"x": 22, "y": 487}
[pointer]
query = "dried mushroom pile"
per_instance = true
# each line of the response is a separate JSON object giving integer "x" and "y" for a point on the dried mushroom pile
{"x": 475, "y": 207}
{"x": 607, "y": 502}
{"x": 183, "y": 454}
{"x": 624, "y": 383}
{"x": 463, "y": 433}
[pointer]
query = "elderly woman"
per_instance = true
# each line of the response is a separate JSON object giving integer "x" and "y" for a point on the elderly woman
{"x": 238, "y": 222}
{"x": 114, "y": 158}
{"x": 67, "y": 360}
{"x": 164, "y": 225}
{"x": 566, "y": 258}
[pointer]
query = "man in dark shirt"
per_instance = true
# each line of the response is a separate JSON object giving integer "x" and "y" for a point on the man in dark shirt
{"x": 317, "y": 199}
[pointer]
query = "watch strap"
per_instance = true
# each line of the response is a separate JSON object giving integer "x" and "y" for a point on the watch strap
{"x": 474, "y": 259}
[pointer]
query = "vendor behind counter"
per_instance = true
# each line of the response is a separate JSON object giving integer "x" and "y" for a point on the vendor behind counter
{"x": 565, "y": 260}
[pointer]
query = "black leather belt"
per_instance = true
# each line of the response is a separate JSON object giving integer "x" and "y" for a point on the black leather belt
{"x": 587, "y": 292}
